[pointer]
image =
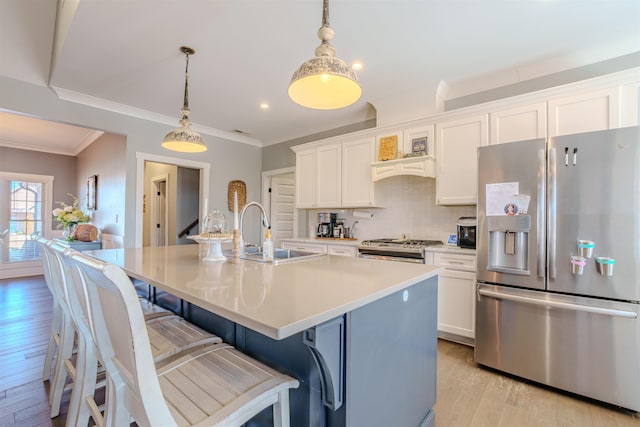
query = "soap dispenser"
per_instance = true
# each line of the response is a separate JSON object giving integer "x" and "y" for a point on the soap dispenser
{"x": 267, "y": 246}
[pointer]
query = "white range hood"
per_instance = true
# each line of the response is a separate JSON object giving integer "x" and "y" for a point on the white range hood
{"x": 424, "y": 166}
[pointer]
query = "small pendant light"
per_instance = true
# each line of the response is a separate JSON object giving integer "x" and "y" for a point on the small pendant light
{"x": 325, "y": 82}
{"x": 185, "y": 139}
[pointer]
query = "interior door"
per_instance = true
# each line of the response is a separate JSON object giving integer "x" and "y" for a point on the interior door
{"x": 282, "y": 207}
{"x": 159, "y": 214}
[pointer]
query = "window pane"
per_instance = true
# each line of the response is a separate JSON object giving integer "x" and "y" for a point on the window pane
{"x": 25, "y": 220}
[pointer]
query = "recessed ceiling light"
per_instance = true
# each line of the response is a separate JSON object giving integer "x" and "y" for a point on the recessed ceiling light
{"x": 356, "y": 66}
{"x": 264, "y": 106}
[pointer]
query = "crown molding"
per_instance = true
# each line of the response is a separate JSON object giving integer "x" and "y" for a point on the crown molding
{"x": 115, "y": 107}
{"x": 91, "y": 136}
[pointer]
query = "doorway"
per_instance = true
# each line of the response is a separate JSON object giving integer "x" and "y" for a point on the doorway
{"x": 278, "y": 197}
{"x": 24, "y": 202}
{"x": 194, "y": 175}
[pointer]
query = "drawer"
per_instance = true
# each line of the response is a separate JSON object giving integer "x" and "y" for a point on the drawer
{"x": 309, "y": 247}
{"x": 342, "y": 250}
{"x": 455, "y": 261}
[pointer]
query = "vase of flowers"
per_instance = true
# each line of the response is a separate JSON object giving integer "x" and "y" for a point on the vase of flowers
{"x": 69, "y": 216}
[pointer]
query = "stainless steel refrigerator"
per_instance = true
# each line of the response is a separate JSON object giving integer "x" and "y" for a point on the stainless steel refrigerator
{"x": 558, "y": 246}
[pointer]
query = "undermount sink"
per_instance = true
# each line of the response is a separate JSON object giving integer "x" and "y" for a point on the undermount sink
{"x": 254, "y": 253}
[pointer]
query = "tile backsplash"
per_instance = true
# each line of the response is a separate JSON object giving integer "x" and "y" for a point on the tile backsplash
{"x": 410, "y": 209}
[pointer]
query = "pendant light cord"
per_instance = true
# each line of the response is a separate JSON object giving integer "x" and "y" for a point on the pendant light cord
{"x": 325, "y": 13}
{"x": 185, "y": 108}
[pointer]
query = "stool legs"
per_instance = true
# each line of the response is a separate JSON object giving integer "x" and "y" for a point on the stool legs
{"x": 65, "y": 350}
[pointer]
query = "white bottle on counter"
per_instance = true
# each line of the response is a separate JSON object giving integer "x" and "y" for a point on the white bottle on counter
{"x": 267, "y": 246}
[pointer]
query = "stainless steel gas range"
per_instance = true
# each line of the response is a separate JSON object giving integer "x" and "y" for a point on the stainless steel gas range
{"x": 396, "y": 249}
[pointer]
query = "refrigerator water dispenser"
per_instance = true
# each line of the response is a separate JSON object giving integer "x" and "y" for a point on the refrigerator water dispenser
{"x": 508, "y": 243}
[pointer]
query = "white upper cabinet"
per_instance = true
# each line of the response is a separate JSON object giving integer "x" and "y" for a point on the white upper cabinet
{"x": 409, "y": 141}
{"x": 340, "y": 173}
{"x": 306, "y": 178}
{"x": 518, "y": 123}
{"x": 357, "y": 186}
{"x": 329, "y": 176}
{"x": 413, "y": 136}
{"x": 336, "y": 175}
{"x": 457, "y": 165}
{"x": 586, "y": 112}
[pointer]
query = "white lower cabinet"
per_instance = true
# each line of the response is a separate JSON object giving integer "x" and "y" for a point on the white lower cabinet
{"x": 456, "y": 297}
{"x": 321, "y": 248}
{"x": 317, "y": 248}
{"x": 342, "y": 250}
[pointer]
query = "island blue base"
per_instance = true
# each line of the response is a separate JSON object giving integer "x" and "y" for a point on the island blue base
{"x": 388, "y": 352}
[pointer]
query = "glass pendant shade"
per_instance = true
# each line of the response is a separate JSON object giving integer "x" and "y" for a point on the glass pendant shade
{"x": 325, "y": 82}
{"x": 185, "y": 139}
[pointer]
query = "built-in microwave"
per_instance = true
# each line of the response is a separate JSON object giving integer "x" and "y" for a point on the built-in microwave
{"x": 467, "y": 232}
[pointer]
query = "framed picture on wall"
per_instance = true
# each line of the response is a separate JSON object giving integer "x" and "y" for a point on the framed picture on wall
{"x": 92, "y": 186}
{"x": 419, "y": 146}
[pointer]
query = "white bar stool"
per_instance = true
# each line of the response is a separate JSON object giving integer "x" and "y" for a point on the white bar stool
{"x": 212, "y": 386}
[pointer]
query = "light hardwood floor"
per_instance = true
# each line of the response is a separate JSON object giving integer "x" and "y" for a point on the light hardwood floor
{"x": 467, "y": 395}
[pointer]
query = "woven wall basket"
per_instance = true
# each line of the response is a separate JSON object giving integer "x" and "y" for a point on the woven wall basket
{"x": 241, "y": 188}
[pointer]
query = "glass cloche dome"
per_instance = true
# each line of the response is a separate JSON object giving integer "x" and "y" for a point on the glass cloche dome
{"x": 215, "y": 225}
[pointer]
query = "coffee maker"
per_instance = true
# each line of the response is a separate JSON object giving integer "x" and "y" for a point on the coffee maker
{"x": 326, "y": 224}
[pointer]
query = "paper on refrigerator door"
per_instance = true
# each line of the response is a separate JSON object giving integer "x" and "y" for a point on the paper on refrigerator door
{"x": 522, "y": 202}
{"x": 503, "y": 199}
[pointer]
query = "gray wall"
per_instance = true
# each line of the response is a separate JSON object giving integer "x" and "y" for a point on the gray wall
{"x": 279, "y": 156}
{"x": 551, "y": 80}
{"x": 62, "y": 168}
{"x": 105, "y": 157}
{"x": 188, "y": 189}
{"x": 229, "y": 160}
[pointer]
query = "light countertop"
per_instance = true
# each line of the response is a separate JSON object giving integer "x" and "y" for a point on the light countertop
{"x": 275, "y": 300}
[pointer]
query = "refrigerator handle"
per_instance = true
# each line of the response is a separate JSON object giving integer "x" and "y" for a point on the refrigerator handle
{"x": 558, "y": 304}
{"x": 552, "y": 213}
{"x": 541, "y": 213}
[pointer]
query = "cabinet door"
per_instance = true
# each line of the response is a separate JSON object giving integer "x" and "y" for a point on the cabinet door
{"x": 329, "y": 176}
{"x": 519, "y": 124}
{"x": 457, "y": 159}
{"x": 410, "y": 135}
{"x": 586, "y": 112}
{"x": 357, "y": 185}
{"x": 456, "y": 303}
{"x": 306, "y": 178}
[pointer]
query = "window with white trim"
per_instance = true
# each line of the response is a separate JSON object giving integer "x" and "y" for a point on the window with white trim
{"x": 24, "y": 212}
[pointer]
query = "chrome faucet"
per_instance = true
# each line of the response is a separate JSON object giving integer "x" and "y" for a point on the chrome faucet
{"x": 265, "y": 221}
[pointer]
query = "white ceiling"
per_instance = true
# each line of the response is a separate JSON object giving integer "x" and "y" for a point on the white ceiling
{"x": 124, "y": 55}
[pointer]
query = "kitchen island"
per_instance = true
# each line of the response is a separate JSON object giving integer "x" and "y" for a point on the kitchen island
{"x": 360, "y": 335}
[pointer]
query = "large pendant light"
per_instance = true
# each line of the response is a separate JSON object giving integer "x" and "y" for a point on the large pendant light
{"x": 325, "y": 82}
{"x": 184, "y": 138}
